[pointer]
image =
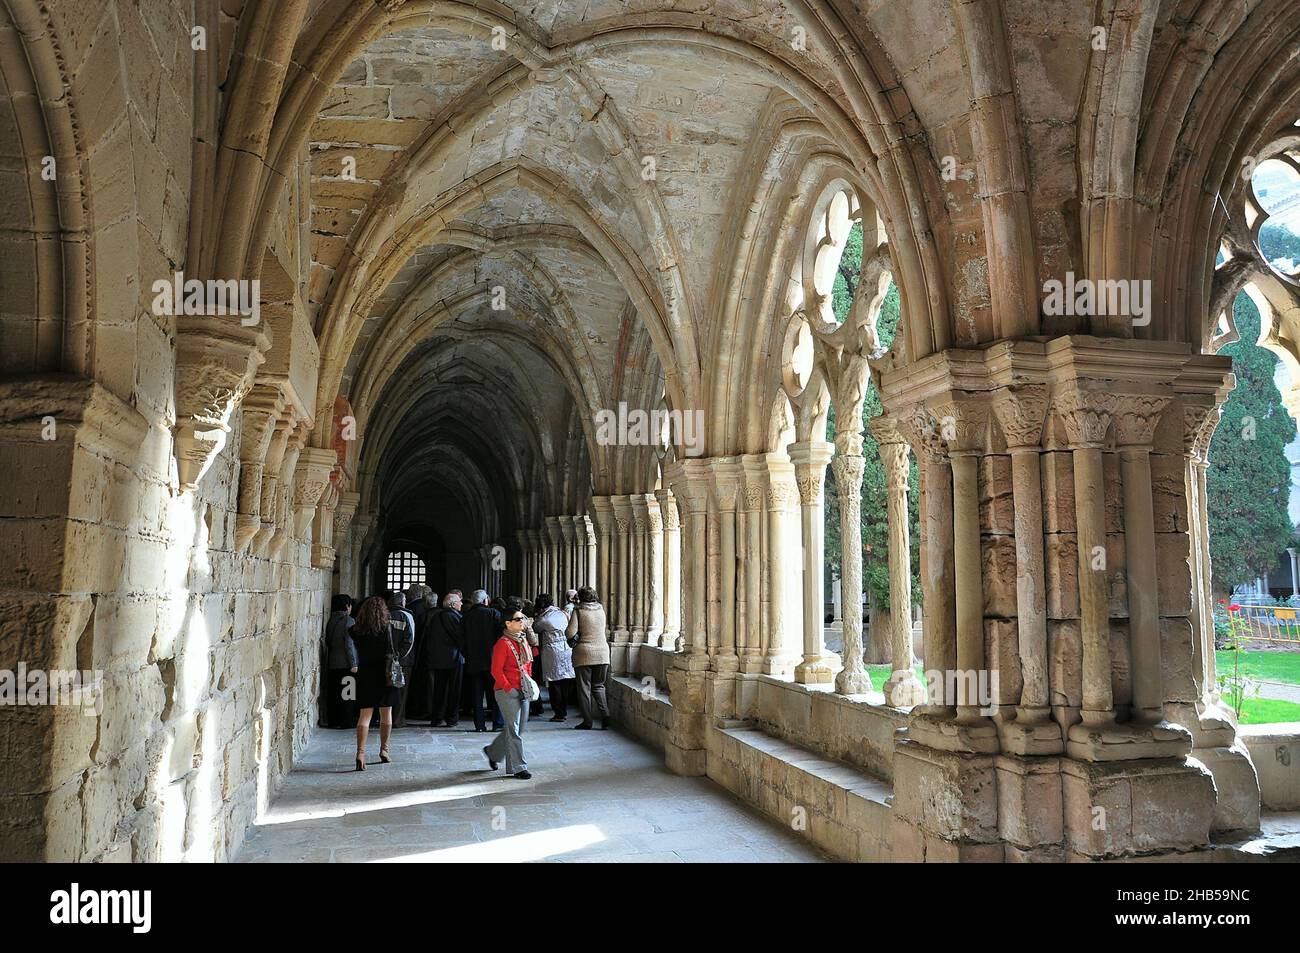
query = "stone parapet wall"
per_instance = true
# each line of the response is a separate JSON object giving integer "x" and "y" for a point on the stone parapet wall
{"x": 1275, "y": 751}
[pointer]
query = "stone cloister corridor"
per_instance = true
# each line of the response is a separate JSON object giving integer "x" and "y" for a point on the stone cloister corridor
{"x": 636, "y": 295}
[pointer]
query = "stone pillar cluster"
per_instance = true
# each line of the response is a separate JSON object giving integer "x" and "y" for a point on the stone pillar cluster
{"x": 1067, "y": 634}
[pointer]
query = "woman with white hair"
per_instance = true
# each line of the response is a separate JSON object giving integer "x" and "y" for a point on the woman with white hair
{"x": 549, "y": 623}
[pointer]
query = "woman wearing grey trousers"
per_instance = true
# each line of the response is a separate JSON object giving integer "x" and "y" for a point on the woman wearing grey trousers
{"x": 512, "y": 658}
{"x": 586, "y": 633}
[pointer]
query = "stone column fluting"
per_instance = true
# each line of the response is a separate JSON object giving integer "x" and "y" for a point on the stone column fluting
{"x": 903, "y": 689}
{"x": 849, "y": 465}
{"x": 810, "y": 458}
{"x": 672, "y": 569}
{"x": 1020, "y": 413}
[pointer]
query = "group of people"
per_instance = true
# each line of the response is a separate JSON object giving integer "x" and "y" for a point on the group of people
{"x": 404, "y": 654}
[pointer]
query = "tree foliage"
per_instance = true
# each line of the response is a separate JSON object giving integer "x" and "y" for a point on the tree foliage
{"x": 1249, "y": 479}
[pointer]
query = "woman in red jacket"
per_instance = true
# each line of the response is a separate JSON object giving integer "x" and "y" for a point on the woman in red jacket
{"x": 511, "y": 658}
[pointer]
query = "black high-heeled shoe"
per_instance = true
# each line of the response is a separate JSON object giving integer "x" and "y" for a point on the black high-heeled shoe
{"x": 361, "y": 764}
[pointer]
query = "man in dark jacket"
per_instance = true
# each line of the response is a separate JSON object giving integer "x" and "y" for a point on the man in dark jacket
{"x": 422, "y": 603}
{"x": 444, "y": 644}
{"x": 482, "y": 626}
{"x": 403, "y": 624}
{"x": 340, "y": 662}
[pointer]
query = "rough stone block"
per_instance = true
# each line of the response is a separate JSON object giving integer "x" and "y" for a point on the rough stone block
{"x": 1061, "y": 575}
{"x": 999, "y": 561}
{"x": 1065, "y": 662}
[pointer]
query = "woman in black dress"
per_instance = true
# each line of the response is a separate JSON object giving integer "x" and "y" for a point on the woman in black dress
{"x": 372, "y": 637}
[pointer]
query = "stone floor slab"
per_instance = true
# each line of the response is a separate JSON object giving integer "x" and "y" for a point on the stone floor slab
{"x": 595, "y": 797}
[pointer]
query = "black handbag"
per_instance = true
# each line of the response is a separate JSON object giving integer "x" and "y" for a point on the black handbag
{"x": 393, "y": 673}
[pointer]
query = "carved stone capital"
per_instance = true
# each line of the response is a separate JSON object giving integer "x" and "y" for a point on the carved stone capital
{"x": 848, "y": 475}
{"x": 215, "y": 365}
{"x": 1136, "y": 417}
{"x": 1020, "y": 413}
{"x": 894, "y": 457}
{"x": 668, "y": 509}
{"x": 886, "y": 430}
{"x": 1086, "y": 414}
{"x": 962, "y": 423}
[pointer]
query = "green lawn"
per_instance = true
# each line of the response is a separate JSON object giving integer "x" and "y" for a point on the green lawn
{"x": 1267, "y": 711}
{"x": 880, "y": 674}
{"x": 1273, "y": 666}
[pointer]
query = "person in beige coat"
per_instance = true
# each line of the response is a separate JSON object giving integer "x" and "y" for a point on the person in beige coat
{"x": 586, "y": 633}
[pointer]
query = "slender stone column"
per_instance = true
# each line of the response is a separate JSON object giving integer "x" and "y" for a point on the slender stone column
{"x": 589, "y": 557}
{"x": 603, "y": 514}
{"x": 810, "y": 458}
{"x": 1020, "y": 412}
{"x": 1200, "y": 418}
{"x": 535, "y": 575}
{"x": 567, "y": 536}
{"x": 620, "y": 589}
{"x": 937, "y": 577}
{"x": 637, "y": 567}
{"x": 970, "y": 593}
{"x": 343, "y": 516}
{"x": 1136, "y": 418}
{"x": 654, "y": 572}
{"x": 849, "y": 465}
{"x": 726, "y": 472}
{"x": 691, "y": 489}
{"x": 903, "y": 689}
{"x": 781, "y": 554}
{"x": 1087, "y": 416}
{"x": 751, "y": 622}
{"x": 554, "y": 537}
{"x": 672, "y": 571}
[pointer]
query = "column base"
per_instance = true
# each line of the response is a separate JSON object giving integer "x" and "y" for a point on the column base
{"x": 779, "y": 666}
{"x": 904, "y": 689}
{"x": 1236, "y": 787}
{"x": 944, "y": 734}
{"x": 1026, "y": 737}
{"x": 817, "y": 669}
{"x": 726, "y": 664}
{"x": 618, "y": 652}
{"x": 945, "y": 806}
{"x": 1119, "y": 809}
{"x": 751, "y": 664}
{"x": 1127, "y": 742}
{"x": 853, "y": 681}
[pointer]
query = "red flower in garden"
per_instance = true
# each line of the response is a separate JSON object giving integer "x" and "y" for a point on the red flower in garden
{"x": 1234, "y": 607}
